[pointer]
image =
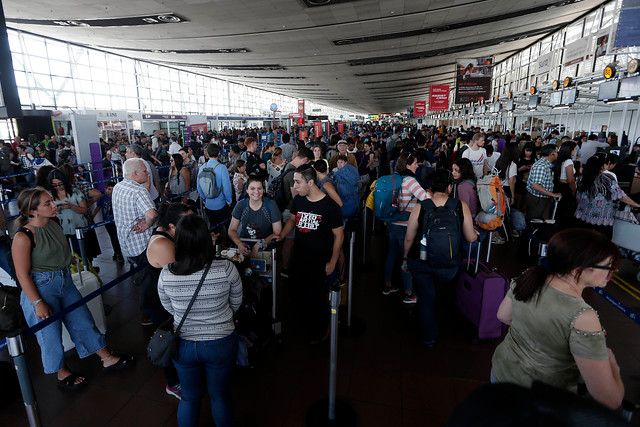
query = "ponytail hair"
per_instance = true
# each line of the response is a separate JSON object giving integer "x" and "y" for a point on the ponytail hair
{"x": 28, "y": 201}
{"x": 570, "y": 251}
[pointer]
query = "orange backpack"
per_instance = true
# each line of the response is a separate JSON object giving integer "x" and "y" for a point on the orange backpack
{"x": 492, "y": 201}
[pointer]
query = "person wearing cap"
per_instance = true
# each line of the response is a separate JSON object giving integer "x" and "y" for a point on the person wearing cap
{"x": 342, "y": 150}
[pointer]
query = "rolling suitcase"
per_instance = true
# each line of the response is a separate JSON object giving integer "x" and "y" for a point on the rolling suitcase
{"x": 86, "y": 285}
{"x": 480, "y": 289}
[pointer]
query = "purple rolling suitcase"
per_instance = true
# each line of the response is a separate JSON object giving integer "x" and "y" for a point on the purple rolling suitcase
{"x": 479, "y": 291}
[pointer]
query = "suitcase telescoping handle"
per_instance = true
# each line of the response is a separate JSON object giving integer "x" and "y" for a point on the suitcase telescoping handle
{"x": 556, "y": 201}
{"x": 477, "y": 256}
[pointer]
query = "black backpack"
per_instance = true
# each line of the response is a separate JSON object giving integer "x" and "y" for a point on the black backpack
{"x": 442, "y": 230}
{"x": 276, "y": 189}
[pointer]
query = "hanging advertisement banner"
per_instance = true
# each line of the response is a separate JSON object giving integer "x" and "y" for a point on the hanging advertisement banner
{"x": 419, "y": 108}
{"x": 575, "y": 52}
{"x": 628, "y": 32}
{"x": 543, "y": 64}
{"x": 438, "y": 98}
{"x": 303, "y": 135}
{"x": 473, "y": 79}
{"x": 317, "y": 129}
{"x": 301, "y": 107}
{"x": 340, "y": 128}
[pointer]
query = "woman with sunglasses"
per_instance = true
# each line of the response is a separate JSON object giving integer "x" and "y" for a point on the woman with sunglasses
{"x": 555, "y": 337}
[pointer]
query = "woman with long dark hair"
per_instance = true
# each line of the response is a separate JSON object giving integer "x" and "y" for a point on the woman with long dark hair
{"x": 565, "y": 184}
{"x": 554, "y": 335}
{"x": 70, "y": 203}
{"x": 179, "y": 179}
{"x": 508, "y": 170}
{"x": 464, "y": 189}
{"x": 410, "y": 194}
{"x": 208, "y": 344}
{"x": 596, "y": 193}
{"x": 41, "y": 257}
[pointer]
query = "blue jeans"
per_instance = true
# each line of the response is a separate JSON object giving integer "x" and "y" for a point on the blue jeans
{"x": 396, "y": 249}
{"x": 57, "y": 290}
{"x": 209, "y": 363}
{"x": 427, "y": 280}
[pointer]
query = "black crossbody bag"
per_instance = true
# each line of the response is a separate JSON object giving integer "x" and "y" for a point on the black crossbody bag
{"x": 163, "y": 345}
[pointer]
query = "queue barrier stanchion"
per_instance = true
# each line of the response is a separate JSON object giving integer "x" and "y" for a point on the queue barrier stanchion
{"x": 332, "y": 411}
{"x": 15, "y": 345}
{"x": 352, "y": 326}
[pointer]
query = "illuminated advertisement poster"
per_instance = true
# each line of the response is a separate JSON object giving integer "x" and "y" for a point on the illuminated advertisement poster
{"x": 473, "y": 79}
{"x": 438, "y": 97}
{"x": 419, "y": 108}
{"x": 317, "y": 129}
{"x": 340, "y": 128}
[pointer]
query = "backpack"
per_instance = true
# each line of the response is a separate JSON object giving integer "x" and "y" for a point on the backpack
{"x": 422, "y": 174}
{"x": 442, "y": 232}
{"x": 492, "y": 202}
{"x": 208, "y": 184}
{"x": 330, "y": 152}
{"x": 386, "y": 199}
{"x": 346, "y": 182}
{"x": 276, "y": 188}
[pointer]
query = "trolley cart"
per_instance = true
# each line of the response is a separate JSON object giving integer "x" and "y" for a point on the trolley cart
{"x": 264, "y": 265}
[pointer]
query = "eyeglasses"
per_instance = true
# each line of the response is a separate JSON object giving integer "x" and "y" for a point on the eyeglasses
{"x": 604, "y": 267}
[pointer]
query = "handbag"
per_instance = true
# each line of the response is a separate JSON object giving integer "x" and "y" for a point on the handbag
{"x": 11, "y": 317}
{"x": 163, "y": 345}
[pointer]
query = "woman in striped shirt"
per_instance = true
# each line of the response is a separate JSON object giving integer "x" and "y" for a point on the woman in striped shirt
{"x": 411, "y": 193}
{"x": 208, "y": 343}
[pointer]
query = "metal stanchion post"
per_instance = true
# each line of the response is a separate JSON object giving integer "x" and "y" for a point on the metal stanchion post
{"x": 331, "y": 411}
{"x": 90, "y": 174}
{"x": 83, "y": 250}
{"x": 15, "y": 345}
{"x": 353, "y": 327}
{"x": 364, "y": 236}
{"x": 350, "y": 286}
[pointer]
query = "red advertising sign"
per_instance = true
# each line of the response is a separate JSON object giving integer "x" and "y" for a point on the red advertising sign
{"x": 419, "y": 108}
{"x": 438, "y": 97}
{"x": 317, "y": 129}
{"x": 340, "y": 128}
{"x": 303, "y": 135}
{"x": 301, "y": 107}
{"x": 301, "y": 121}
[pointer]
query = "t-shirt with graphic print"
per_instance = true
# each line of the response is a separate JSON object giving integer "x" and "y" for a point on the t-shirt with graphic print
{"x": 477, "y": 158}
{"x": 315, "y": 222}
{"x": 256, "y": 224}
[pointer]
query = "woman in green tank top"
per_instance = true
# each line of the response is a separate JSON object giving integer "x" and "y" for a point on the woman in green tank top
{"x": 41, "y": 256}
{"x": 555, "y": 337}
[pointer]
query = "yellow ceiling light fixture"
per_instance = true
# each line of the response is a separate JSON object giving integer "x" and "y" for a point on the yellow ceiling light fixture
{"x": 555, "y": 85}
{"x": 567, "y": 82}
{"x": 533, "y": 90}
{"x": 610, "y": 71}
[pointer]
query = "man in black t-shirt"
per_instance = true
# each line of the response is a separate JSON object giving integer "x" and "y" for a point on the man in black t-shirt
{"x": 318, "y": 239}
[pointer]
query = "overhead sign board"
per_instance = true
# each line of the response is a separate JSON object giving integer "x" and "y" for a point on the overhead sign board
{"x": 419, "y": 108}
{"x": 543, "y": 64}
{"x": 438, "y": 97}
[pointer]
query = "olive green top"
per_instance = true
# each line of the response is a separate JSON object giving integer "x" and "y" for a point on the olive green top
{"x": 542, "y": 341}
{"x": 52, "y": 251}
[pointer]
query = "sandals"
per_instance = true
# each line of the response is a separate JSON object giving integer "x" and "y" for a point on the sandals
{"x": 124, "y": 362}
{"x": 69, "y": 382}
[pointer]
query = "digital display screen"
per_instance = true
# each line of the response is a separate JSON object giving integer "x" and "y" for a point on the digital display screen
{"x": 629, "y": 87}
{"x": 533, "y": 102}
{"x": 569, "y": 96}
{"x": 555, "y": 98}
{"x": 608, "y": 90}
{"x": 511, "y": 105}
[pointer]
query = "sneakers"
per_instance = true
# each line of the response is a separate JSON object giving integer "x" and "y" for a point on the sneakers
{"x": 410, "y": 299}
{"x": 497, "y": 240}
{"x": 175, "y": 391}
{"x": 388, "y": 290}
{"x": 145, "y": 321}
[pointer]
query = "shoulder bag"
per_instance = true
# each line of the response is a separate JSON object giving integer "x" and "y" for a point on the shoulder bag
{"x": 163, "y": 345}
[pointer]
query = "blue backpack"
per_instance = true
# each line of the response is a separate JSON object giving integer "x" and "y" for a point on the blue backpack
{"x": 386, "y": 199}
{"x": 346, "y": 182}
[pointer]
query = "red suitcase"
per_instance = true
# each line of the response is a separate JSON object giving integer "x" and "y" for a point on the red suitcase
{"x": 480, "y": 289}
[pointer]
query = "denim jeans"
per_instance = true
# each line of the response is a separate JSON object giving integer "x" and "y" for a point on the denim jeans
{"x": 396, "y": 249}
{"x": 209, "y": 363}
{"x": 57, "y": 290}
{"x": 427, "y": 279}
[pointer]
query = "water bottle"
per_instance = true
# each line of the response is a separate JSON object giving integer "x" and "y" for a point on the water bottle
{"x": 423, "y": 248}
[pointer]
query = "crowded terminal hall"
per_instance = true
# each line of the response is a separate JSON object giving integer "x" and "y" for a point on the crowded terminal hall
{"x": 320, "y": 213}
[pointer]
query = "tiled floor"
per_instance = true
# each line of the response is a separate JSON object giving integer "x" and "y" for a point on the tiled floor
{"x": 385, "y": 374}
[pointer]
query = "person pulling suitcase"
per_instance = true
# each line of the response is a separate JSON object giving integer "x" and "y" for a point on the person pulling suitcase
{"x": 432, "y": 247}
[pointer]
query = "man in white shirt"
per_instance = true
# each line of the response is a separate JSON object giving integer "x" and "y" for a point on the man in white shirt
{"x": 175, "y": 146}
{"x": 477, "y": 155}
{"x": 590, "y": 147}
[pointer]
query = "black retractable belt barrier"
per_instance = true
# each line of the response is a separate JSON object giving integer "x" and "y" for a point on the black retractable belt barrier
{"x": 331, "y": 411}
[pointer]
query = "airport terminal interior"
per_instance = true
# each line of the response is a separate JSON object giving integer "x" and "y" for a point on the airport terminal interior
{"x": 397, "y": 82}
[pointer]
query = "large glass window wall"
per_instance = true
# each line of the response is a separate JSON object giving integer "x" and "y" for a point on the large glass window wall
{"x": 55, "y": 75}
